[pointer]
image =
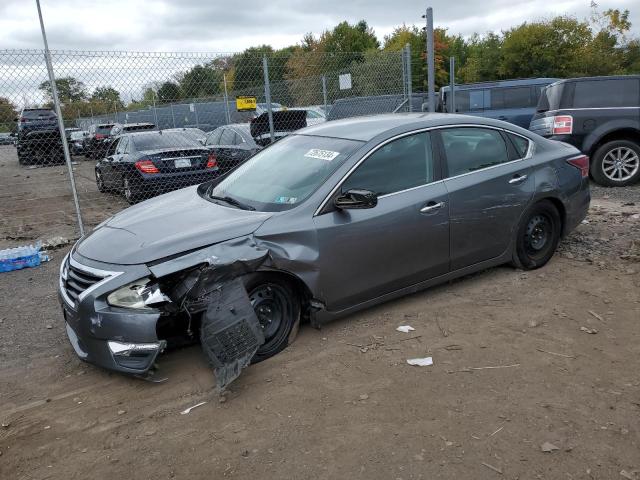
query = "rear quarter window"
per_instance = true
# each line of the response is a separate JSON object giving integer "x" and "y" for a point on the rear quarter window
{"x": 607, "y": 93}
{"x": 521, "y": 144}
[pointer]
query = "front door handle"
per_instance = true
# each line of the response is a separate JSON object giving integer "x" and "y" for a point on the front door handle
{"x": 432, "y": 207}
{"x": 517, "y": 179}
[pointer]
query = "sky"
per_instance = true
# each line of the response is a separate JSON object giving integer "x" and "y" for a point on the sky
{"x": 216, "y": 26}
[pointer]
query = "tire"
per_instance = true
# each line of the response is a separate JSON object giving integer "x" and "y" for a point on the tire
{"x": 130, "y": 192}
{"x": 616, "y": 163}
{"x": 537, "y": 236}
{"x": 23, "y": 160}
{"x": 277, "y": 305}
{"x": 100, "y": 182}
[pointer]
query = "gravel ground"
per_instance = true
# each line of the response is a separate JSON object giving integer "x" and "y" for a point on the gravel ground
{"x": 523, "y": 362}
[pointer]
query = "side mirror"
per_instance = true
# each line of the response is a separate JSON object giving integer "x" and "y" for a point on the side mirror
{"x": 356, "y": 198}
{"x": 202, "y": 141}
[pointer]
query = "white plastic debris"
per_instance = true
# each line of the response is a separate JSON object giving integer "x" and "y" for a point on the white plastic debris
{"x": 405, "y": 328}
{"x": 187, "y": 410}
{"x": 420, "y": 362}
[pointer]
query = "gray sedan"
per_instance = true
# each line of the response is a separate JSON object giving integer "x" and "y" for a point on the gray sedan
{"x": 327, "y": 221}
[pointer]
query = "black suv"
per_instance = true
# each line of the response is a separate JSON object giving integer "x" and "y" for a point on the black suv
{"x": 601, "y": 117}
{"x": 38, "y": 137}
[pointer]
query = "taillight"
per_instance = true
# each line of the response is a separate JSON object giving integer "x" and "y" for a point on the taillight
{"x": 146, "y": 166}
{"x": 562, "y": 125}
{"x": 212, "y": 161}
{"x": 582, "y": 163}
{"x": 100, "y": 136}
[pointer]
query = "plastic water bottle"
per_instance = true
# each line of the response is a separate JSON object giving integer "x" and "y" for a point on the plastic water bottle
{"x": 22, "y": 257}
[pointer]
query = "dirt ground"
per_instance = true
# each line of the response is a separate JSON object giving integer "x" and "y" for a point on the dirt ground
{"x": 514, "y": 367}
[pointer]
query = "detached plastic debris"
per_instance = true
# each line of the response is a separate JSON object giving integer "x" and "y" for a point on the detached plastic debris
{"x": 405, "y": 328}
{"x": 420, "y": 362}
{"x": 22, "y": 257}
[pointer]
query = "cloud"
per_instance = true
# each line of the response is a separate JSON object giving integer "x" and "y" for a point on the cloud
{"x": 202, "y": 25}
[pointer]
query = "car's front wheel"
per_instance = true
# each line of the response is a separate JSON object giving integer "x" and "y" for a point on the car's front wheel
{"x": 616, "y": 163}
{"x": 100, "y": 181}
{"x": 277, "y": 306}
{"x": 537, "y": 236}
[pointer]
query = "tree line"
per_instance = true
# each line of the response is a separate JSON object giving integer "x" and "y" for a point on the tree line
{"x": 562, "y": 46}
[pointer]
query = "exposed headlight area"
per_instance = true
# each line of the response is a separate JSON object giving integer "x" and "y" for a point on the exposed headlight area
{"x": 130, "y": 296}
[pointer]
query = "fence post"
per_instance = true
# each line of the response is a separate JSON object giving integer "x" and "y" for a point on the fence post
{"x": 324, "y": 94}
{"x": 404, "y": 73}
{"x": 452, "y": 83}
{"x": 226, "y": 98}
{"x": 267, "y": 94}
{"x": 56, "y": 102}
{"x": 409, "y": 91}
{"x": 195, "y": 110}
{"x": 173, "y": 116}
{"x": 155, "y": 110}
{"x": 430, "y": 61}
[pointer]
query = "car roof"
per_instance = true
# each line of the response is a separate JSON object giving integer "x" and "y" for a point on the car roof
{"x": 502, "y": 83}
{"x": 368, "y": 127}
{"x": 604, "y": 77}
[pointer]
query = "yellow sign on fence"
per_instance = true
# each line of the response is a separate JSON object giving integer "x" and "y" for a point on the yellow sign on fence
{"x": 244, "y": 103}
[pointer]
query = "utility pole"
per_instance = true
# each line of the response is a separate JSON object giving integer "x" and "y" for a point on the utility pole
{"x": 430, "y": 61}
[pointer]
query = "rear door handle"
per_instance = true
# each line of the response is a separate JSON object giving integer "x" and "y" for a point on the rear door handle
{"x": 432, "y": 207}
{"x": 517, "y": 179}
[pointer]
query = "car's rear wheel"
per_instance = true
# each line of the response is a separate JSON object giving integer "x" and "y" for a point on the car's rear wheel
{"x": 277, "y": 306}
{"x": 130, "y": 191}
{"x": 538, "y": 236}
{"x": 616, "y": 163}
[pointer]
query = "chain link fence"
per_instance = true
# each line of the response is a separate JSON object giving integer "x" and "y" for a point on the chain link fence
{"x": 142, "y": 124}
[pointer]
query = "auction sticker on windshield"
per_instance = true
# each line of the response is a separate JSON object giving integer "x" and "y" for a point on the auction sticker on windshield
{"x": 327, "y": 155}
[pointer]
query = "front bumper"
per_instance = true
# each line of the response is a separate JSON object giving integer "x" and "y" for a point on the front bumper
{"x": 118, "y": 339}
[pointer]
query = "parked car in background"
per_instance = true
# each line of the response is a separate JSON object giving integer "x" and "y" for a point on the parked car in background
{"x": 327, "y": 221}
{"x": 98, "y": 141}
{"x": 601, "y": 117}
{"x": 31, "y": 119}
{"x": 191, "y": 133}
{"x": 76, "y": 142}
{"x": 231, "y": 145}
{"x": 6, "y": 139}
{"x": 121, "y": 128}
{"x": 512, "y": 101}
{"x": 375, "y": 104}
{"x": 144, "y": 164}
{"x": 40, "y": 147}
{"x": 315, "y": 115}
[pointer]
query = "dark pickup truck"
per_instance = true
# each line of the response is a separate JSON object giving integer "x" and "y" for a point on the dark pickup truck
{"x": 601, "y": 117}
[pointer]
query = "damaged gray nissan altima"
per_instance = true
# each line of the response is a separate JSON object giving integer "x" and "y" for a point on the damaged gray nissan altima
{"x": 334, "y": 218}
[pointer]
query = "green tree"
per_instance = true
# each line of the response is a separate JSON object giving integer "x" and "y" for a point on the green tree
{"x": 551, "y": 48}
{"x": 69, "y": 90}
{"x": 169, "y": 92}
{"x": 107, "y": 95}
{"x": 201, "y": 81}
{"x": 8, "y": 114}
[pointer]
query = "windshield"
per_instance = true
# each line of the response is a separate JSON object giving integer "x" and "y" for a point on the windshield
{"x": 155, "y": 141}
{"x": 104, "y": 129}
{"x": 36, "y": 114}
{"x": 286, "y": 173}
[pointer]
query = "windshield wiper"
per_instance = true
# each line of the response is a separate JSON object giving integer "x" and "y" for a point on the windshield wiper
{"x": 232, "y": 201}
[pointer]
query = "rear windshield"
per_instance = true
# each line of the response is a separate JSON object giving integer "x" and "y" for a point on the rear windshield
{"x": 132, "y": 128}
{"x": 38, "y": 114}
{"x": 104, "y": 129}
{"x": 550, "y": 98}
{"x": 155, "y": 141}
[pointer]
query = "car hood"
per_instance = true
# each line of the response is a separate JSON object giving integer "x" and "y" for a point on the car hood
{"x": 167, "y": 225}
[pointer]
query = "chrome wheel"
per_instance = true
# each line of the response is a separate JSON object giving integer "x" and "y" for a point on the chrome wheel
{"x": 620, "y": 164}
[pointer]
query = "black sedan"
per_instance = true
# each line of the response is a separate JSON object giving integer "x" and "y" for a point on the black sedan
{"x": 231, "y": 145}
{"x": 142, "y": 165}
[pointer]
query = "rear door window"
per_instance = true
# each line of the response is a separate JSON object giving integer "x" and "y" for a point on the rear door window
{"x": 607, "y": 93}
{"x": 517, "y": 97}
{"x": 469, "y": 149}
